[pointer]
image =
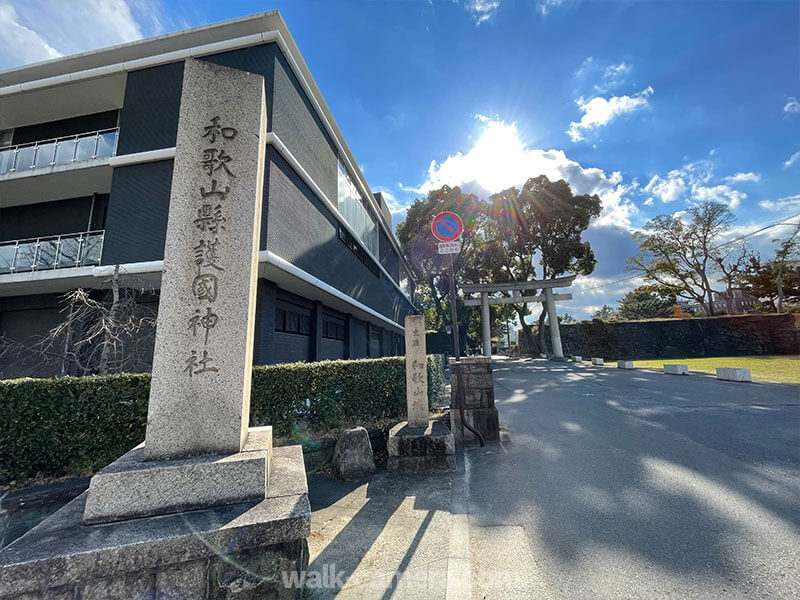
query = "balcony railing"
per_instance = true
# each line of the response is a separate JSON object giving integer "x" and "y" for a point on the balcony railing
{"x": 59, "y": 151}
{"x": 53, "y": 252}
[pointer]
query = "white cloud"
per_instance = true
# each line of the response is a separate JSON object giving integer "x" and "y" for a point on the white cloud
{"x": 546, "y": 5}
{"x": 18, "y": 43}
{"x": 649, "y": 202}
{"x": 695, "y": 182}
{"x": 782, "y": 204}
{"x": 742, "y": 177}
{"x": 792, "y": 159}
{"x": 606, "y": 76}
{"x": 482, "y": 10}
{"x": 499, "y": 160}
{"x": 792, "y": 106}
{"x": 35, "y": 30}
{"x": 600, "y": 111}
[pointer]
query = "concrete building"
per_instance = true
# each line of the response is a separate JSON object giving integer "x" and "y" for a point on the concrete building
{"x": 86, "y": 147}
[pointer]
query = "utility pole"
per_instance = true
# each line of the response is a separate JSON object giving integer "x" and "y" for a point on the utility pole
{"x": 453, "y": 310}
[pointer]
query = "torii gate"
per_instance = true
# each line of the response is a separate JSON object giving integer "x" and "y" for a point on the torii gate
{"x": 516, "y": 298}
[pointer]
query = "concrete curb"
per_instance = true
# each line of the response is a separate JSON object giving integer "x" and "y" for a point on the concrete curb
{"x": 459, "y": 568}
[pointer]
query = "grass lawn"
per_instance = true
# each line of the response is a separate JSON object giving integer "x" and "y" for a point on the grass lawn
{"x": 784, "y": 369}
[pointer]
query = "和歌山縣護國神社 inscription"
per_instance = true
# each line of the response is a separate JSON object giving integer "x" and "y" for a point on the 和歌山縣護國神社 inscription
{"x": 210, "y": 227}
{"x": 202, "y": 365}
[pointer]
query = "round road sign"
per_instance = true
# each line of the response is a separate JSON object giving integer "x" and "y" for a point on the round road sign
{"x": 447, "y": 226}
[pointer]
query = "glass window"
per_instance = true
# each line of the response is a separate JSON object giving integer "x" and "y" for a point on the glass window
{"x": 356, "y": 212}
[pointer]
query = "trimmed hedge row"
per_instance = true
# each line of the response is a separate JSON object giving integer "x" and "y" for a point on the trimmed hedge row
{"x": 76, "y": 425}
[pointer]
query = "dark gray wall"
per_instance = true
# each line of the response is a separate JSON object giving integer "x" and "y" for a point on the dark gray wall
{"x": 149, "y": 117}
{"x": 52, "y": 218}
{"x": 357, "y": 339}
{"x": 65, "y": 127}
{"x": 289, "y": 112}
{"x": 303, "y": 231}
{"x": 136, "y": 220}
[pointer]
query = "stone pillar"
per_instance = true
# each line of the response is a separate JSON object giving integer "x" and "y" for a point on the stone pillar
{"x": 486, "y": 329}
{"x": 200, "y": 390}
{"x": 416, "y": 371}
{"x": 552, "y": 319}
{"x": 472, "y": 385}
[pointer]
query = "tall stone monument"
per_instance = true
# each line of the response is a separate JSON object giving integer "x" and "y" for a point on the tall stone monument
{"x": 205, "y": 507}
{"x": 419, "y": 444}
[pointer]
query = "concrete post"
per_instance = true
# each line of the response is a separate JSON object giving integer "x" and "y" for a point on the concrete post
{"x": 486, "y": 333}
{"x": 552, "y": 318}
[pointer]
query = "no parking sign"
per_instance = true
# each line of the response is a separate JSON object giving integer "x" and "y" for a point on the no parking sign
{"x": 447, "y": 227}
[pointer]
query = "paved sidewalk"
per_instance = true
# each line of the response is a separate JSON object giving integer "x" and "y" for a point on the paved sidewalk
{"x": 394, "y": 536}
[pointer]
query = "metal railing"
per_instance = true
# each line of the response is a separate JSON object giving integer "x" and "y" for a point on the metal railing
{"x": 59, "y": 151}
{"x": 53, "y": 252}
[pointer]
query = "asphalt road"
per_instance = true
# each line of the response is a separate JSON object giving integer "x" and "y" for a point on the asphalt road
{"x": 636, "y": 484}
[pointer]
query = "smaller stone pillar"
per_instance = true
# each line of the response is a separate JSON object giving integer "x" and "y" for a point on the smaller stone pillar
{"x": 418, "y": 445}
{"x": 552, "y": 318}
{"x": 416, "y": 371}
{"x": 486, "y": 332}
{"x": 472, "y": 385}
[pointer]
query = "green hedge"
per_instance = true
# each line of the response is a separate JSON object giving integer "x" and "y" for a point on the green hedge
{"x": 75, "y": 425}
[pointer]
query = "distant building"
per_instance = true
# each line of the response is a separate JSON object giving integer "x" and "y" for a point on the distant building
{"x": 740, "y": 303}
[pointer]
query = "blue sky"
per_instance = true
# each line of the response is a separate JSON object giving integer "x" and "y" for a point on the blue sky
{"x": 653, "y": 105}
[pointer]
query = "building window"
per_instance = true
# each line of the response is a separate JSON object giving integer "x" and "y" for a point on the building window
{"x": 289, "y": 319}
{"x": 332, "y": 329}
{"x": 358, "y": 250}
{"x": 356, "y": 212}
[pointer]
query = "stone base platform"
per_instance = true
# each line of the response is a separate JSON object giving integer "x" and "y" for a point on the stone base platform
{"x": 420, "y": 449}
{"x": 235, "y": 551}
{"x": 485, "y": 420}
{"x": 133, "y": 487}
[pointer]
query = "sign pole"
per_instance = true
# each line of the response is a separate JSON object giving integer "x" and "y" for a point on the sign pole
{"x": 453, "y": 310}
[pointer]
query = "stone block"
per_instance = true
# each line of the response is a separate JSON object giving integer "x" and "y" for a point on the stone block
{"x": 186, "y": 580}
{"x": 134, "y": 487}
{"x": 597, "y": 361}
{"x": 140, "y": 584}
{"x": 482, "y": 381}
{"x": 734, "y": 374}
{"x": 260, "y": 573}
{"x": 676, "y": 369}
{"x": 577, "y": 359}
{"x": 61, "y": 551}
{"x": 352, "y": 457}
{"x": 485, "y": 420}
{"x": 420, "y": 449}
{"x": 625, "y": 364}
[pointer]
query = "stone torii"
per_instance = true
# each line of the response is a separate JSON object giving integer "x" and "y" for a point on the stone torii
{"x": 517, "y": 298}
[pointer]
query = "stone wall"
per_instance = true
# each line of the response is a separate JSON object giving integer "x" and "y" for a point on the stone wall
{"x": 741, "y": 335}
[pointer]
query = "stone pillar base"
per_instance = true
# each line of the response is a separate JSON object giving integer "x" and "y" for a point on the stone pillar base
{"x": 133, "y": 487}
{"x": 240, "y": 550}
{"x": 485, "y": 420}
{"x": 420, "y": 449}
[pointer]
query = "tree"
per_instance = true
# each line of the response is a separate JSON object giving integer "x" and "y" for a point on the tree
{"x": 431, "y": 269}
{"x": 542, "y": 223}
{"x": 679, "y": 256}
{"x": 566, "y": 318}
{"x": 644, "y": 303}
{"x": 103, "y": 331}
{"x": 606, "y": 313}
{"x": 789, "y": 249}
{"x": 761, "y": 281}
